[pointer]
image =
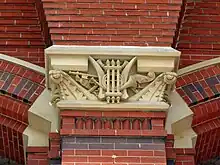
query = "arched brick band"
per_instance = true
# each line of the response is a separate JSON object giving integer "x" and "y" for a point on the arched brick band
{"x": 19, "y": 86}
{"x": 199, "y": 85}
{"x": 201, "y": 90}
{"x": 13, "y": 121}
{"x": 20, "y": 82}
{"x": 206, "y": 124}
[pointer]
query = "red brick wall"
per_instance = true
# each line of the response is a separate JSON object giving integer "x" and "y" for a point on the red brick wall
{"x": 21, "y": 31}
{"x": 199, "y": 35}
{"x": 133, "y": 22}
{"x": 181, "y": 156}
{"x": 19, "y": 87}
{"x": 185, "y": 156}
{"x": 54, "y": 146}
{"x": 45, "y": 155}
{"x": 207, "y": 144}
{"x": 112, "y": 137}
{"x": 200, "y": 90}
{"x": 200, "y": 85}
{"x": 37, "y": 156}
{"x": 20, "y": 82}
{"x": 13, "y": 121}
{"x": 113, "y": 150}
{"x": 99, "y": 123}
{"x": 207, "y": 126}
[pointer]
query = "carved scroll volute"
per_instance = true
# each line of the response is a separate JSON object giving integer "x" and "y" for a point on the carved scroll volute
{"x": 170, "y": 77}
{"x": 58, "y": 93}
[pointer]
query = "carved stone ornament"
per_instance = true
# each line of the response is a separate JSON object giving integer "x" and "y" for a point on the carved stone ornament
{"x": 112, "y": 81}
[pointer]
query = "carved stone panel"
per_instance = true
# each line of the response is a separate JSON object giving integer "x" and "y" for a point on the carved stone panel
{"x": 112, "y": 79}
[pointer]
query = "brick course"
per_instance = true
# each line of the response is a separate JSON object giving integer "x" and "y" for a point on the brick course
{"x": 37, "y": 156}
{"x": 95, "y": 137}
{"x": 113, "y": 150}
{"x": 200, "y": 90}
{"x": 23, "y": 32}
{"x": 181, "y": 156}
{"x": 199, "y": 34}
{"x": 45, "y": 155}
{"x": 141, "y": 23}
{"x": 13, "y": 122}
{"x": 200, "y": 85}
{"x": 19, "y": 88}
{"x": 20, "y": 82}
{"x": 96, "y": 123}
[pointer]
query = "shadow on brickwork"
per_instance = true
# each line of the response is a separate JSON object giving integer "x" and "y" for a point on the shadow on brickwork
{"x": 215, "y": 161}
{"x": 55, "y": 162}
{"x": 5, "y": 161}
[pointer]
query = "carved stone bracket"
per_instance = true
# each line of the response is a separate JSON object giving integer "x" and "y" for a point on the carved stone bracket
{"x": 109, "y": 76}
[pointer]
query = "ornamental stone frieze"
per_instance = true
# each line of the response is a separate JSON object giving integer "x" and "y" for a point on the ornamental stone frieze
{"x": 111, "y": 77}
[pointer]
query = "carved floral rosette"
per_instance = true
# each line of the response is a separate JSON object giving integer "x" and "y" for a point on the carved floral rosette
{"x": 114, "y": 81}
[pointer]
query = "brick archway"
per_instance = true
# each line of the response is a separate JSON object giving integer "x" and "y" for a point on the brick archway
{"x": 200, "y": 89}
{"x": 19, "y": 87}
{"x": 13, "y": 117}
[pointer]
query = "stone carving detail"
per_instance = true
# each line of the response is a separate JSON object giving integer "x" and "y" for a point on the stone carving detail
{"x": 115, "y": 81}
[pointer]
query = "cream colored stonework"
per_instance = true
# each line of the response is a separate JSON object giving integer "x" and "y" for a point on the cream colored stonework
{"x": 22, "y": 63}
{"x": 198, "y": 66}
{"x": 111, "y": 76}
{"x": 178, "y": 122}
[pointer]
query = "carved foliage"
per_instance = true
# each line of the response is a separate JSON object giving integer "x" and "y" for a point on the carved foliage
{"x": 113, "y": 82}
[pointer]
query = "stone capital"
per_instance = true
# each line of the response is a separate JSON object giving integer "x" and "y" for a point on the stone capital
{"x": 111, "y": 77}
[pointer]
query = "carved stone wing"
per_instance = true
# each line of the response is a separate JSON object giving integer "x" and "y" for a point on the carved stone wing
{"x": 64, "y": 87}
{"x": 156, "y": 90}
